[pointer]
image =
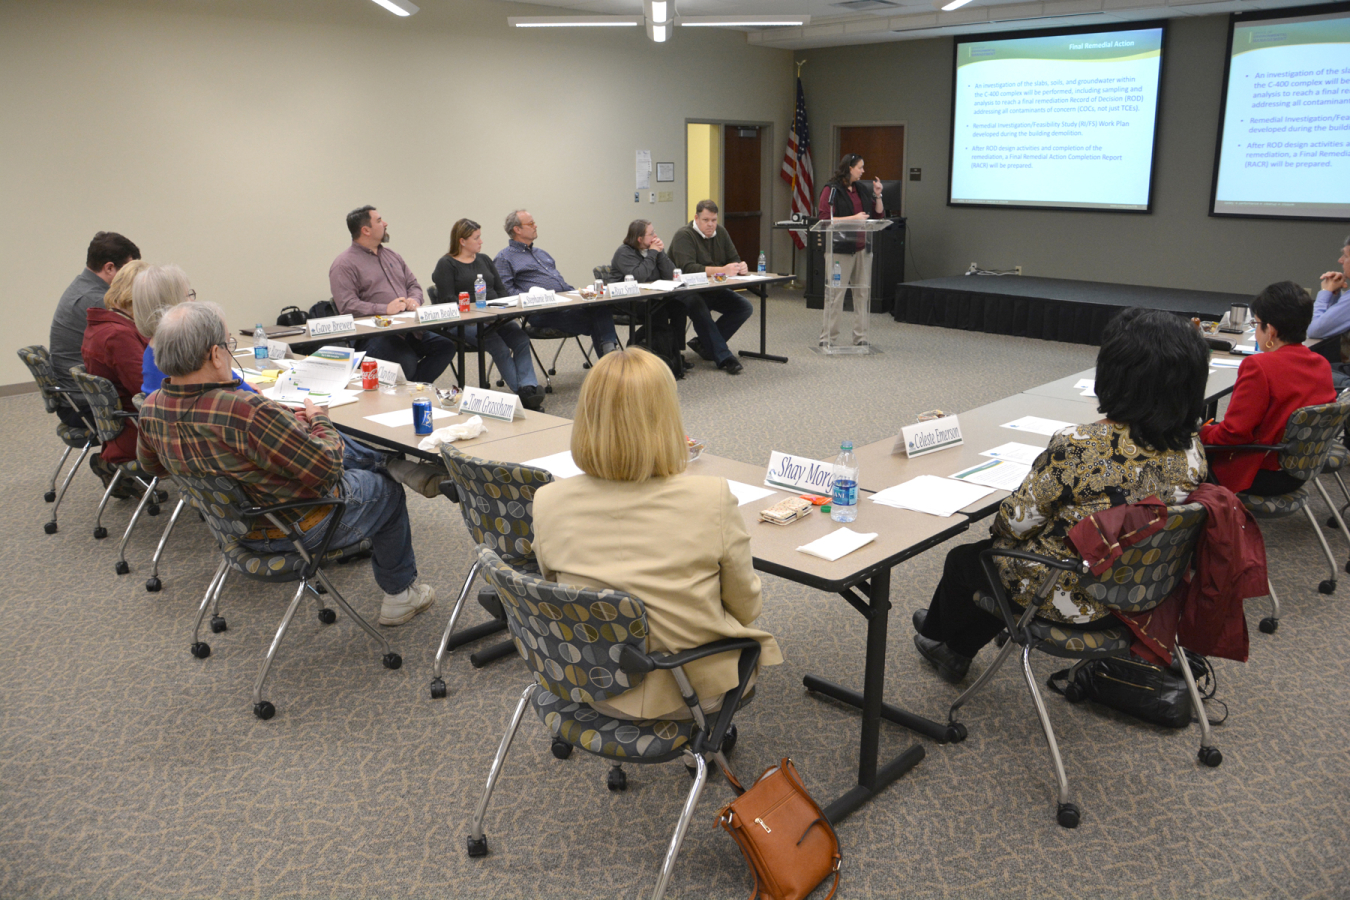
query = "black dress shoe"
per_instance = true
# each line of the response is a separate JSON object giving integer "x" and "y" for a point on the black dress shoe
{"x": 698, "y": 348}
{"x": 531, "y": 397}
{"x": 731, "y": 366}
{"x": 950, "y": 665}
{"x": 686, "y": 363}
{"x": 920, "y": 616}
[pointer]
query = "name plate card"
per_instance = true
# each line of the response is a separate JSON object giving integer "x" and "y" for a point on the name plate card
{"x": 622, "y": 289}
{"x": 391, "y": 373}
{"x": 532, "y": 299}
{"x": 437, "y": 312}
{"x": 331, "y": 325}
{"x": 490, "y": 404}
{"x": 929, "y": 437}
{"x": 694, "y": 278}
{"x": 799, "y": 474}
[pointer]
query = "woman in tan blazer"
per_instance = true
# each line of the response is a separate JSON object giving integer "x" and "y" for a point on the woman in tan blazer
{"x": 635, "y": 523}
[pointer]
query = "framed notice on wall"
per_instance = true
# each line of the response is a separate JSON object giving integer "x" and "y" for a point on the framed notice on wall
{"x": 665, "y": 171}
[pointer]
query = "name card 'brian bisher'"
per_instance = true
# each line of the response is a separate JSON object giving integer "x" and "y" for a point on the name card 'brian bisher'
{"x": 799, "y": 474}
{"x": 489, "y": 404}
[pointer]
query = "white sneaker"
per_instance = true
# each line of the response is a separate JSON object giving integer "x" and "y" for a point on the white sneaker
{"x": 403, "y": 606}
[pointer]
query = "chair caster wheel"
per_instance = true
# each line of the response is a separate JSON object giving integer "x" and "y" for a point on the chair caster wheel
{"x": 99, "y": 533}
{"x": 1073, "y": 692}
{"x": 319, "y": 589}
{"x": 1002, "y": 638}
{"x": 152, "y": 509}
{"x": 438, "y": 689}
{"x": 549, "y": 388}
{"x": 585, "y": 365}
{"x": 478, "y": 847}
{"x": 1331, "y": 522}
{"x": 561, "y": 749}
{"x": 729, "y": 739}
{"x": 553, "y": 371}
{"x": 152, "y": 584}
{"x": 49, "y": 527}
{"x": 1068, "y": 815}
{"x": 327, "y": 616}
{"x": 121, "y": 567}
{"x": 201, "y": 650}
{"x": 50, "y": 496}
{"x": 1211, "y": 756}
{"x": 1327, "y": 587}
{"x": 1269, "y": 624}
{"x": 617, "y": 780}
{"x": 264, "y": 710}
{"x": 159, "y": 497}
{"x": 1347, "y": 566}
{"x": 392, "y": 661}
{"x": 956, "y": 732}
{"x": 217, "y": 624}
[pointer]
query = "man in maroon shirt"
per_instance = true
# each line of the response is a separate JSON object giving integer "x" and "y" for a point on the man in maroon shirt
{"x": 369, "y": 279}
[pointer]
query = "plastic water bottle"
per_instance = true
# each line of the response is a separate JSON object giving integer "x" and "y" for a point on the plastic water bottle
{"x": 479, "y": 293}
{"x": 837, "y": 276}
{"x": 844, "y": 499}
{"x": 259, "y": 342}
{"x": 763, "y": 263}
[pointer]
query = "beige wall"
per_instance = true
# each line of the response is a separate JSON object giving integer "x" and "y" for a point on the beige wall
{"x": 232, "y": 138}
{"x": 1178, "y": 245}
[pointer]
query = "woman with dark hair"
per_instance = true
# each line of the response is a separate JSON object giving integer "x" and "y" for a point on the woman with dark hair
{"x": 1150, "y": 385}
{"x": 506, "y": 341}
{"x": 643, "y": 255}
{"x": 843, "y": 199}
{"x": 1271, "y": 384}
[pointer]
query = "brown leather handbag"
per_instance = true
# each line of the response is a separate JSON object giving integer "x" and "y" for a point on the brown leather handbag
{"x": 784, "y": 835}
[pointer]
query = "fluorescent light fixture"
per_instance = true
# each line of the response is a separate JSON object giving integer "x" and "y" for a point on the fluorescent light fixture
{"x": 955, "y": 4}
{"x": 574, "y": 21}
{"x": 745, "y": 21}
{"x": 398, "y": 7}
{"x": 659, "y": 33}
{"x": 658, "y": 12}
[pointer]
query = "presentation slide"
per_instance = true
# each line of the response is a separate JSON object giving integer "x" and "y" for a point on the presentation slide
{"x": 1063, "y": 120}
{"x": 1285, "y": 145}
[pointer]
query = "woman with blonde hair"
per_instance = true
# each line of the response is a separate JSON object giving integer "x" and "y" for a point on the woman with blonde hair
{"x": 635, "y": 522}
{"x": 113, "y": 349}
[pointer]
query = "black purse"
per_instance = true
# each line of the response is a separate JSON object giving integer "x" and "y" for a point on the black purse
{"x": 1138, "y": 688}
{"x": 292, "y": 316}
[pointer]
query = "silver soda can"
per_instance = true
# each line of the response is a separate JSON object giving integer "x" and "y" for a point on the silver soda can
{"x": 422, "y": 416}
{"x": 676, "y": 275}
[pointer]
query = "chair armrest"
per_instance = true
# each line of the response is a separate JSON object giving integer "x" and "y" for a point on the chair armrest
{"x": 255, "y": 511}
{"x": 1067, "y": 565}
{"x": 124, "y": 414}
{"x": 339, "y": 506}
{"x": 1267, "y": 447}
{"x": 632, "y": 660}
{"x": 1056, "y": 566}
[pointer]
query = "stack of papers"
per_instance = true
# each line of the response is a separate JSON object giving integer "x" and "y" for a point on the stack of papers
{"x": 837, "y": 544}
{"x": 321, "y": 376}
{"x": 933, "y": 495}
{"x": 1037, "y": 425}
{"x": 1014, "y": 452}
{"x": 996, "y": 473}
{"x": 1088, "y": 387}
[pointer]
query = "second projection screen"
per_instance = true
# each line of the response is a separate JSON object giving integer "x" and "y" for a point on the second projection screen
{"x": 1056, "y": 120}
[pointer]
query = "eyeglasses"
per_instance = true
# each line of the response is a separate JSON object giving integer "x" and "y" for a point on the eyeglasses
{"x": 192, "y": 295}
{"x": 230, "y": 345}
{"x": 1257, "y": 323}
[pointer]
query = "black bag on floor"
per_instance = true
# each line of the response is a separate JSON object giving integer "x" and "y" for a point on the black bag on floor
{"x": 1131, "y": 685}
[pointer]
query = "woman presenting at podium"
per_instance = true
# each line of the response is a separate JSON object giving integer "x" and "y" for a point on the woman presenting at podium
{"x": 844, "y": 198}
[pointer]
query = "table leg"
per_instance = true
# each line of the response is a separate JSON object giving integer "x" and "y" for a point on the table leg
{"x": 461, "y": 373}
{"x": 872, "y": 779}
{"x": 763, "y": 353}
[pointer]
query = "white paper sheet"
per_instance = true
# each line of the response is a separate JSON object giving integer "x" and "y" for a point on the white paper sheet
{"x": 997, "y": 473}
{"x": 1225, "y": 363}
{"x": 1087, "y": 387}
{"x": 1037, "y": 425}
{"x": 931, "y": 494}
{"x": 747, "y": 493}
{"x": 1015, "y": 452}
{"x": 837, "y": 544}
{"x": 560, "y": 464}
{"x": 339, "y": 398}
{"x": 404, "y": 417}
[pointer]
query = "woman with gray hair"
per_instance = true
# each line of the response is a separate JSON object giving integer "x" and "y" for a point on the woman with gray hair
{"x": 156, "y": 290}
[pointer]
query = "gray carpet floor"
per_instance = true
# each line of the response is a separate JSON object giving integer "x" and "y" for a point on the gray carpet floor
{"x": 130, "y": 769}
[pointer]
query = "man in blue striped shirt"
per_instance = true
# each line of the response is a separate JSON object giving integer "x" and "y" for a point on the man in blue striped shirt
{"x": 523, "y": 266}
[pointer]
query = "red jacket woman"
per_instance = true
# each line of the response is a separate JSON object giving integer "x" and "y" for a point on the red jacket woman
{"x": 1283, "y": 377}
{"x": 114, "y": 349}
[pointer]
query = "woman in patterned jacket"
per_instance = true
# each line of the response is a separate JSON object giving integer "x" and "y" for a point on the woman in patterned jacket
{"x": 1150, "y": 381}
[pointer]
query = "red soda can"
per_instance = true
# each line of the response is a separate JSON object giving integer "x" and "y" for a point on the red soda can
{"x": 463, "y": 301}
{"x": 370, "y": 374}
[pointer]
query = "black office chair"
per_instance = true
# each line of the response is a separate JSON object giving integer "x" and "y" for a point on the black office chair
{"x": 1141, "y": 579}
{"x": 54, "y": 397}
{"x": 587, "y": 645}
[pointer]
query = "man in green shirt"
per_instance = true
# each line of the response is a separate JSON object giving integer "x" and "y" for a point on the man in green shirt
{"x": 701, "y": 246}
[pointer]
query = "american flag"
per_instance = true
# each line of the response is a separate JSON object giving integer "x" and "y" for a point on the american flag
{"x": 797, "y": 170}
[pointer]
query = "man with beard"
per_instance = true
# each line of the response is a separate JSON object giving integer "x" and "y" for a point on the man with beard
{"x": 368, "y": 279}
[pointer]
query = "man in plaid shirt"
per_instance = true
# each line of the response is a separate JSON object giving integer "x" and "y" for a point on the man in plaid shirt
{"x": 199, "y": 424}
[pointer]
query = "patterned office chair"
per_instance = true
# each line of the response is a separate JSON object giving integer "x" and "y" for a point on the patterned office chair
{"x": 1310, "y": 436}
{"x": 1141, "y": 579}
{"x": 587, "y": 645}
{"x": 110, "y": 419}
{"x": 39, "y": 363}
{"x": 231, "y": 515}
{"x": 497, "y": 502}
